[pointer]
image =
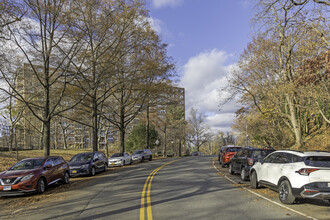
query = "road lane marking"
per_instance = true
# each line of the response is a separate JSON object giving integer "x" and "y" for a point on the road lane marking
{"x": 265, "y": 198}
{"x": 146, "y": 193}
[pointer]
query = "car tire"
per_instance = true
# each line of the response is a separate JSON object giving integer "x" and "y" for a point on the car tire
{"x": 41, "y": 186}
{"x": 105, "y": 167}
{"x": 66, "y": 178}
{"x": 230, "y": 169}
{"x": 254, "y": 180}
{"x": 131, "y": 162}
{"x": 142, "y": 159}
{"x": 92, "y": 171}
{"x": 243, "y": 174}
{"x": 150, "y": 158}
{"x": 285, "y": 192}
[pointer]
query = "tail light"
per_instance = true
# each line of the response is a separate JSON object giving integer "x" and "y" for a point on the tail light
{"x": 250, "y": 161}
{"x": 306, "y": 171}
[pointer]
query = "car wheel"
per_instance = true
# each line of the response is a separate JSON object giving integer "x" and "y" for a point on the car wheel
{"x": 230, "y": 170}
{"x": 150, "y": 158}
{"x": 243, "y": 174}
{"x": 92, "y": 171}
{"x": 131, "y": 162}
{"x": 285, "y": 193}
{"x": 142, "y": 159}
{"x": 41, "y": 186}
{"x": 105, "y": 167}
{"x": 254, "y": 180}
{"x": 66, "y": 178}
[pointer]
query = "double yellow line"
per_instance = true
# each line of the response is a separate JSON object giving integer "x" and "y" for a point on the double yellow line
{"x": 146, "y": 193}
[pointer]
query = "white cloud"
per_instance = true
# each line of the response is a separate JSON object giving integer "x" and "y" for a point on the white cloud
{"x": 203, "y": 76}
{"x": 156, "y": 25}
{"x": 165, "y": 3}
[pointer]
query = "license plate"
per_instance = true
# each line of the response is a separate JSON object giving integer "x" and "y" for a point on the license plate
{"x": 112, "y": 163}
{"x": 74, "y": 171}
{"x": 6, "y": 188}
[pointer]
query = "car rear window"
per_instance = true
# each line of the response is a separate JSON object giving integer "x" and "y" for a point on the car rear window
{"x": 261, "y": 153}
{"x": 318, "y": 161}
{"x": 233, "y": 149}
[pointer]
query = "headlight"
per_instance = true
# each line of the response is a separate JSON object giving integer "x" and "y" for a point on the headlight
{"x": 27, "y": 177}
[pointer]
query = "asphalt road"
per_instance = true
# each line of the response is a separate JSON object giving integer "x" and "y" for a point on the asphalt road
{"x": 187, "y": 188}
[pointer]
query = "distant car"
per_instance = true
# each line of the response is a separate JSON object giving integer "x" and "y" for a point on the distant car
{"x": 294, "y": 174}
{"x": 33, "y": 175}
{"x": 141, "y": 155}
{"x": 120, "y": 159}
{"x": 196, "y": 153}
{"x": 88, "y": 163}
{"x": 245, "y": 158}
{"x": 228, "y": 152}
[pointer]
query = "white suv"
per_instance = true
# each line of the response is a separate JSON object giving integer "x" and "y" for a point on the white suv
{"x": 294, "y": 174}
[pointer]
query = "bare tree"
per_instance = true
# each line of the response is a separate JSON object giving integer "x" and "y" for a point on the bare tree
{"x": 45, "y": 43}
{"x": 197, "y": 129}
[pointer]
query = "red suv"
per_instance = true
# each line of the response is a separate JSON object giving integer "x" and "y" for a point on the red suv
{"x": 227, "y": 153}
{"x": 33, "y": 175}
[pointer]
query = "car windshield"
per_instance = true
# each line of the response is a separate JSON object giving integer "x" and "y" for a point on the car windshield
{"x": 318, "y": 161}
{"x": 233, "y": 149}
{"x": 28, "y": 164}
{"x": 82, "y": 158}
{"x": 138, "y": 152}
{"x": 118, "y": 155}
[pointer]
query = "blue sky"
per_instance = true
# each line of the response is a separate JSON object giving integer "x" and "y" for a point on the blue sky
{"x": 205, "y": 39}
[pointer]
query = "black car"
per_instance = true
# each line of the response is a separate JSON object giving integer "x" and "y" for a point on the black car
{"x": 88, "y": 163}
{"x": 244, "y": 160}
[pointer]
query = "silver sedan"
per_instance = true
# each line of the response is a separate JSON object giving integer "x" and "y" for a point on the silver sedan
{"x": 120, "y": 159}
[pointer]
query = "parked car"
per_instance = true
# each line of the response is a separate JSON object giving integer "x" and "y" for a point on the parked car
{"x": 221, "y": 152}
{"x": 228, "y": 152}
{"x": 120, "y": 159}
{"x": 294, "y": 174}
{"x": 196, "y": 153}
{"x": 88, "y": 163}
{"x": 33, "y": 175}
{"x": 245, "y": 158}
{"x": 141, "y": 155}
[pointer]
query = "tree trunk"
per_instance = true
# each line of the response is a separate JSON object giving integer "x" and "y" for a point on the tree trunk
{"x": 95, "y": 126}
{"x": 165, "y": 142}
{"x": 46, "y": 138}
{"x": 122, "y": 129}
{"x": 295, "y": 122}
{"x": 148, "y": 127}
{"x": 180, "y": 148}
{"x": 11, "y": 138}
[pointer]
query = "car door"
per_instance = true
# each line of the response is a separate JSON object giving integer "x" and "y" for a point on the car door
{"x": 275, "y": 170}
{"x": 49, "y": 170}
{"x": 97, "y": 161}
{"x": 241, "y": 159}
{"x": 126, "y": 158}
{"x": 235, "y": 160}
{"x": 263, "y": 169}
{"x": 57, "y": 168}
